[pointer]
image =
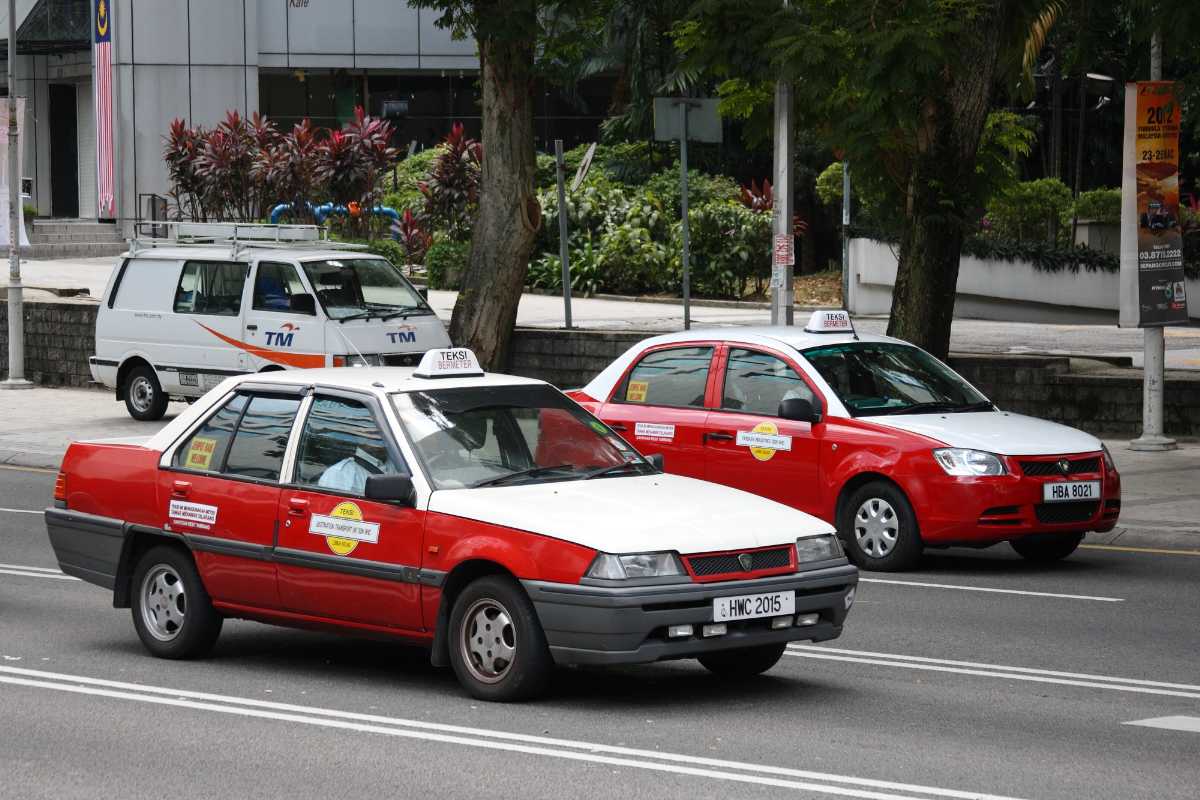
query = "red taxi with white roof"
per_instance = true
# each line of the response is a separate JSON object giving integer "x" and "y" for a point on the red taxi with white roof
{"x": 486, "y": 516}
{"x": 868, "y": 432}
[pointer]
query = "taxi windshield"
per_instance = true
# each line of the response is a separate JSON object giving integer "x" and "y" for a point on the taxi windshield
{"x": 510, "y": 435}
{"x": 359, "y": 288}
{"x": 872, "y": 378}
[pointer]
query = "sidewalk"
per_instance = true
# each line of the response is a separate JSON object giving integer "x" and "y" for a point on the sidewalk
{"x": 1160, "y": 506}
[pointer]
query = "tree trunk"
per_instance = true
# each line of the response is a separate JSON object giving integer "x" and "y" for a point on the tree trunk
{"x": 941, "y": 203}
{"x": 509, "y": 215}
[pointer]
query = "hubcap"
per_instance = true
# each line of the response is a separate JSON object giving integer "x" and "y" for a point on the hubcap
{"x": 488, "y": 641}
{"x": 141, "y": 393}
{"x": 164, "y": 603}
{"x": 876, "y": 527}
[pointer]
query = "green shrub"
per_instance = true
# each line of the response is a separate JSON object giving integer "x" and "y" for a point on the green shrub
{"x": 1030, "y": 211}
{"x": 730, "y": 249}
{"x": 390, "y": 249}
{"x": 702, "y": 188}
{"x": 1101, "y": 205}
{"x": 400, "y": 186}
{"x": 446, "y": 262}
{"x": 30, "y": 211}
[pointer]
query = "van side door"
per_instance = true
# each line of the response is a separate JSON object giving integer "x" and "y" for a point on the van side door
{"x": 208, "y": 303}
{"x": 282, "y": 326}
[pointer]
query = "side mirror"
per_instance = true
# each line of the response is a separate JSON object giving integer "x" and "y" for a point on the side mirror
{"x": 798, "y": 409}
{"x": 656, "y": 460}
{"x": 303, "y": 304}
{"x": 396, "y": 489}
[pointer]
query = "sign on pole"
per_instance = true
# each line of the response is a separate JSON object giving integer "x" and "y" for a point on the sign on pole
{"x": 1153, "y": 285}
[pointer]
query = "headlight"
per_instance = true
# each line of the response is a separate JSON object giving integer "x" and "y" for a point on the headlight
{"x": 639, "y": 565}
{"x": 373, "y": 360}
{"x": 1108, "y": 459}
{"x": 969, "y": 463}
{"x": 818, "y": 548}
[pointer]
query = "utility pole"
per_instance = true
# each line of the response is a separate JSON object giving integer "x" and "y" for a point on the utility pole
{"x": 683, "y": 200}
{"x": 16, "y": 306}
{"x": 846, "y": 234}
{"x": 783, "y": 255}
{"x": 1153, "y": 343}
{"x": 563, "y": 249}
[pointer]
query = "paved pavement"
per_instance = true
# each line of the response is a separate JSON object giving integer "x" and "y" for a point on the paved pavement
{"x": 1161, "y": 505}
{"x": 979, "y": 675}
{"x": 981, "y": 336}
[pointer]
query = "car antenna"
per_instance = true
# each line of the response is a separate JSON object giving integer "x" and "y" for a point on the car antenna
{"x": 357, "y": 352}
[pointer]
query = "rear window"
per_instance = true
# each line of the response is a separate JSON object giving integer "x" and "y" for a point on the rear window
{"x": 262, "y": 437}
{"x": 205, "y": 451}
{"x": 210, "y": 287}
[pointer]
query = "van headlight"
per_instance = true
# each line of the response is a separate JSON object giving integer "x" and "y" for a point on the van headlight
{"x": 611, "y": 567}
{"x": 372, "y": 360}
{"x": 961, "y": 462}
{"x": 818, "y": 548}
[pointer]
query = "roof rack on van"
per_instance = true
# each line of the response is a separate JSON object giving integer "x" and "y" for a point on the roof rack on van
{"x": 239, "y": 235}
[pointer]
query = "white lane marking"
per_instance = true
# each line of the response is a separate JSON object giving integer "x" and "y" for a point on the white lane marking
{"x": 783, "y": 777}
{"x": 997, "y": 671}
{"x": 1189, "y": 724}
{"x": 994, "y": 591}
{"x": 28, "y": 568}
{"x": 29, "y": 574}
{"x": 22, "y": 510}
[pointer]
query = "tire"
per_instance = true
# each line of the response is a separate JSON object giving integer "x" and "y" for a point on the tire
{"x": 172, "y": 612}
{"x": 879, "y": 528}
{"x": 1044, "y": 548}
{"x": 144, "y": 398}
{"x": 744, "y": 662}
{"x": 496, "y": 605}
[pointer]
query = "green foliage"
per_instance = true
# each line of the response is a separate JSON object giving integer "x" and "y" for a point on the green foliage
{"x": 730, "y": 249}
{"x": 399, "y": 186}
{"x": 1045, "y": 256}
{"x": 31, "y": 212}
{"x": 1007, "y": 138}
{"x": 1029, "y": 210}
{"x": 446, "y": 262}
{"x": 1101, "y": 205}
{"x": 702, "y": 188}
{"x": 627, "y": 163}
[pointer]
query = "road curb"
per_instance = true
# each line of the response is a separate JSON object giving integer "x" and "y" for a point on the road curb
{"x": 33, "y": 459}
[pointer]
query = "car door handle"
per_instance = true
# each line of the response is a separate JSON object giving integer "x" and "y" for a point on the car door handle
{"x": 181, "y": 489}
{"x": 717, "y": 437}
{"x": 251, "y": 327}
{"x": 297, "y": 506}
{"x": 616, "y": 426}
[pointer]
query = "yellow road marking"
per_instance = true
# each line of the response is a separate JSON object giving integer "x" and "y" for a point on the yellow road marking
{"x": 29, "y": 469}
{"x": 1157, "y": 550}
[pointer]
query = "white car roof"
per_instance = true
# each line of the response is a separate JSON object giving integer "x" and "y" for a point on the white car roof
{"x": 222, "y": 253}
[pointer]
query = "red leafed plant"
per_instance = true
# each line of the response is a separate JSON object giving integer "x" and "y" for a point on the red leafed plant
{"x": 451, "y": 189}
{"x": 288, "y": 171}
{"x": 412, "y": 237}
{"x": 179, "y": 151}
{"x": 762, "y": 198}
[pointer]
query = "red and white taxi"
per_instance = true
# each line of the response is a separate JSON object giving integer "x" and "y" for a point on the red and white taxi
{"x": 487, "y": 516}
{"x": 868, "y": 432}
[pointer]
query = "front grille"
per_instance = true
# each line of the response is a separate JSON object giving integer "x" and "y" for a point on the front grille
{"x": 402, "y": 359}
{"x": 1075, "y": 466}
{"x": 1059, "y": 513}
{"x": 725, "y": 563}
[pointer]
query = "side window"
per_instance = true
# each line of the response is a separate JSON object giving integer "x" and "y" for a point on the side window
{"x": 341, "y": 446}
{"x": 755, "y": 383}
{"x": 205, "y": 451}
{"x": 262, "y": 437}
{"x": 274, "y": 285}
{"x": 668, "y": 378}
{"x": 210, "y": 287}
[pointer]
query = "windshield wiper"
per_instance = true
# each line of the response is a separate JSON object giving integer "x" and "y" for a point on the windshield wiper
{"x": 983, "y": 405}
{"x": 532, "y": 472}
{"x": 406, "y": 312}
{"x": 356, "y": 315}
{"x": 612, "y": 468}
{"x": 955, "y": 408}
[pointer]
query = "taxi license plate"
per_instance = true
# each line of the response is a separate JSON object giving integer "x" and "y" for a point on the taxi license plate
{"x": 1067, "y": 491}
{"x": 753, "y": 606}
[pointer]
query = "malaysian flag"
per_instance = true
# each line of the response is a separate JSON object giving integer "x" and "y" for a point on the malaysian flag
{"x": 103, "y": 91}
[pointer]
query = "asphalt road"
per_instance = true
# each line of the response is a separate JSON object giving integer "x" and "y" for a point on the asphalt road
{"x": 936, "y": 690}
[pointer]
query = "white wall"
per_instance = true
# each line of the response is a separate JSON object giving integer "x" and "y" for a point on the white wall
{"x": 1000, "y": 290}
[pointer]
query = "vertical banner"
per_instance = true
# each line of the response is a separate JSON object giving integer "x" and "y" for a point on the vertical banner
{"x": 1153, "y": 282}
{"x": 103, "y": 92}
{"x": 22, "y": 239}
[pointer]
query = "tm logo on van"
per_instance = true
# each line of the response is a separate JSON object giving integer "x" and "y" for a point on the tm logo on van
{"x": 406, "y": 334}
{"x": 282, "y": 337}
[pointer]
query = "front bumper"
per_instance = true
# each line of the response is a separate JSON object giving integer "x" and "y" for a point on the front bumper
{"x": 627, "y": 625}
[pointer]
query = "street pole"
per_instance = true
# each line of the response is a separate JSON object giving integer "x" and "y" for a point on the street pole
{"x": 683, "y": 195}
{"x": 846, "y": 234}
{"x": 1153, "y": 343}
{"x": 16, "y": 308}
{"x": 562, "y": 232}
{"x": 783, "y": 254}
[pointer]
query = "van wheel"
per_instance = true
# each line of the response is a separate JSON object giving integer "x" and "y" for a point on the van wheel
{"x": 172, "y": 612}
{"x": 497, "y": 646}
{"x": 144, "y": 397}
{"x": 879, "y": 528}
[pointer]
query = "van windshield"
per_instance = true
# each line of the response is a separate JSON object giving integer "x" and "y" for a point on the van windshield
{"x": 358, "y": 288}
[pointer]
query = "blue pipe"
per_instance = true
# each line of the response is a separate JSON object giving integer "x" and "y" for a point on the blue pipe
{"x": 321, "y": 212}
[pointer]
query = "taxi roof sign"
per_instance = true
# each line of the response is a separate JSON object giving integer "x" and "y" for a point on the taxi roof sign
{"x": 829, "y": 322}
{"x": 453, "y": 362}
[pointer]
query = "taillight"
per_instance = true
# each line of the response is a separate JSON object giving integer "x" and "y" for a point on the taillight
{"x": 60, "y": 487}
{"x": 339, "y": 361}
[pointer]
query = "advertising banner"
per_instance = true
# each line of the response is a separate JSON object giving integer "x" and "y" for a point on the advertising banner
{"x": 1152, "y": 279}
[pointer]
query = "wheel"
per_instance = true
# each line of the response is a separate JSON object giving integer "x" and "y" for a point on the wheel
{"x": 880, "y": 529}
{"x": 744, "y": 662}
{"x": 497, "y": 646}
{"x": 172, "y": 611}
{"x": 144, "y": 397}
{"x": 1046, "y": 547}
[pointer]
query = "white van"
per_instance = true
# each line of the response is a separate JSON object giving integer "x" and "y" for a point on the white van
{"x": 181, "y": 315}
